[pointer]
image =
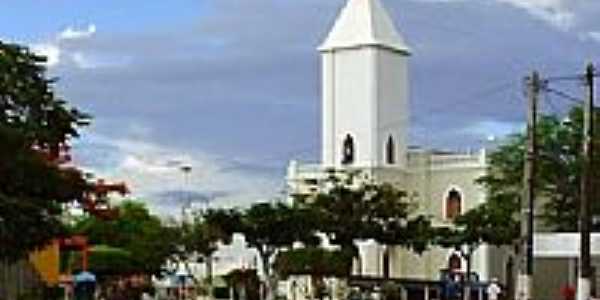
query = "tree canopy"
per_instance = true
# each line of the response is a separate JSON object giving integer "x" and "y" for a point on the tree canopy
{"x": 559, "y": 171}
{"x": 268, "y": 227}
{"x": 136, "y": 231}
{"x": 351, "y": 211}
{"x": 35, "y": 129}
{"x": 313, "y": 261}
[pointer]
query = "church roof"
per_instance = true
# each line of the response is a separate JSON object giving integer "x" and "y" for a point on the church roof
{"x": 364, "y": 23}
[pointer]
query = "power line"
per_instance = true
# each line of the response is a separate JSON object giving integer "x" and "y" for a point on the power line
{"x": 562, "y": 95}
{"x": 563, "y": 78}
{"x": 512, "y": 62}
{"x": 470, "y": 99}
{"x": 553, "y": 107}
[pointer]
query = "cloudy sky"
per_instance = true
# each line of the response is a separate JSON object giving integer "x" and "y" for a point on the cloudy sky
{"x": 231, "y": 87}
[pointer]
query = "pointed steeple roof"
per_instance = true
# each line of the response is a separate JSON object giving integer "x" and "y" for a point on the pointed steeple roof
{"x": 364, "y": 23}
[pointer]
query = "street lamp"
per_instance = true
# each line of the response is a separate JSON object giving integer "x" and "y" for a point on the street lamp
{"x": 186, "y": 170}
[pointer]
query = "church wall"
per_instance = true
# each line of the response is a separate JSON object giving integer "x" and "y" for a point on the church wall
{"x": 429, "y": 185}
{"x": 392, "y": 100}
{"x": 442, "y": 181}
{"x": 327, "y": 115}
{"x": 391, "y": 175}
{"x": 502, "y": 264}
{"x": 353, "y": 106}
{"x": 365, "y": 95}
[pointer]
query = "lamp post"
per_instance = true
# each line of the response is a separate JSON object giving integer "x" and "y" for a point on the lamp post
{"x": 186, "y": 170}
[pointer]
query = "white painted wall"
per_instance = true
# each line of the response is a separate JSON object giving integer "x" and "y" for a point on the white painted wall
{"x": 365, "y": 95}
{"x": 352, "y": 81}
{"x": 562, "y": 245}
{"x": 392, "y": 104}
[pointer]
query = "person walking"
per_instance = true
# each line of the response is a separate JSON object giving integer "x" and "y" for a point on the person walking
{"x": 493, "y": 290}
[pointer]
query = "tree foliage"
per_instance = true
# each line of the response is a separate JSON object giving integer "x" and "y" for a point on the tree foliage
{"x": 136, "y": 231}
{"x": 351, "y": 211}
{"x": 489, "y": 223}
{"x": 245, "y": 283}
{"x": 199, "y": 238}
{"x": 35, "y": 129}
{"x": 559, "y": 171}
{"x": 103, "y": 261}
{"x": 313, "y": 261}
{"x": 268, "y": 227}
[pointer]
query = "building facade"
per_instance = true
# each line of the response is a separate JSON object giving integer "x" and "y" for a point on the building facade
{"x": 365, "y": 122}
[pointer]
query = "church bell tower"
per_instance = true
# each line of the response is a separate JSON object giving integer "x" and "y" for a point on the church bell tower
{"x": 364, "y": 90}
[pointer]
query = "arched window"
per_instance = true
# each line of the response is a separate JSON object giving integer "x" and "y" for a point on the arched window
{"x": 453, "y": 204}
{"x": 348, "y": 150}
{"x": 454, "y": 262}
{"x": 390, "y": 151}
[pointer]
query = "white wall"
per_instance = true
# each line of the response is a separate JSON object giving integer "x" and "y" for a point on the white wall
{"x": 350, "y": 105}
{"x": 392, "y": 104}
{"x": 365, "y": 94}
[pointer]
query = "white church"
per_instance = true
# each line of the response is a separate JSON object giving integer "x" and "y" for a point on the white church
{"x": 365, "y": 123}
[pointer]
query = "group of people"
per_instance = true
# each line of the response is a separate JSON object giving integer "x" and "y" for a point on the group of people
{"x": 453, "y": 288}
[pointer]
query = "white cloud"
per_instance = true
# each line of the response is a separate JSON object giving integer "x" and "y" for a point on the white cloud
{"x": 592, "y": 35}
{"x": 71, "y": 33}
{"x": 152, "y": 170}
{"x": 487, "y": 129}
{"x": 559, "y": 13}
{"x": 51, "y": 51}
{"x": 56, "y": 53}
{"x": 82, "y": 61}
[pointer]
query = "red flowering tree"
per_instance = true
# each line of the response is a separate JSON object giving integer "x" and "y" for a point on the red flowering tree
{"x": 36, "y": 176}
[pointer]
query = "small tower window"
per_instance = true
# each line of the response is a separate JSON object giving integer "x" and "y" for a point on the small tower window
{"x": 348, "y": 150}
{"x": 390, "y": 151}
{"x": 453, "y": 204}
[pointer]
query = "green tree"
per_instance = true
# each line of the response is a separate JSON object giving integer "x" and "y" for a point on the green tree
{"x": 244, "y": 283}
{"x": 104, "y": 261}
{"x": 559, "y": 171}
{"x": 269, "y": 227}
{"x": 136, "y": 231}
{"x": 349, "y": 211}
{"x": 199, "y": 238}
{"x": 490, "y": 223}
{"x": 35, "y": 129}
{"x": 558, "y": 186}
{"x": 316, "y": 262}
{"x": 313, "y": 261}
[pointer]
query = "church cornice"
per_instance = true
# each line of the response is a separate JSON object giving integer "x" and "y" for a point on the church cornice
{"x": 405, "y": 52}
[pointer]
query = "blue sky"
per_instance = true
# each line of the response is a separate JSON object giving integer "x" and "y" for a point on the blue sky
{"x": 232, "y": 86}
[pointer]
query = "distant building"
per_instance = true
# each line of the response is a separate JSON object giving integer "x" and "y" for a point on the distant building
{"x": 365, "y": 121}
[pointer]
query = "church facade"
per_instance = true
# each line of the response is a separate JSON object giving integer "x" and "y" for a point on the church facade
{"x": 365, "y": 123}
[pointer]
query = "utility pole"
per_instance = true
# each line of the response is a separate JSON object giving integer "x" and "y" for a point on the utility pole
{"x": 585, "y": 269}
{"x": 525, "y": 278}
